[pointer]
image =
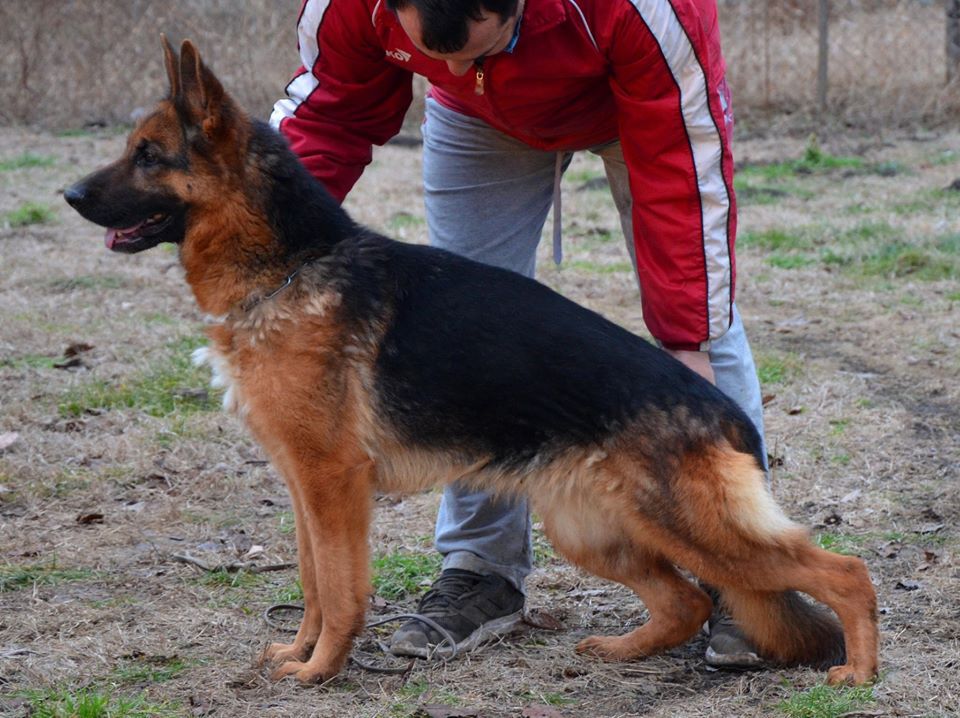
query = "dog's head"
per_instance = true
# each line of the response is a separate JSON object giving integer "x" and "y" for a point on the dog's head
{"x": 176, "y": 161}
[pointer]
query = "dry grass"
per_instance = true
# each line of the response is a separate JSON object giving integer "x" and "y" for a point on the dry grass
{"x": 860, "y": 360}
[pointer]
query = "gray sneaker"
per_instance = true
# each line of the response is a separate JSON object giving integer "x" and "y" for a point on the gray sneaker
{"x": 471, "y": 607}
{"x": 729, "y": 647}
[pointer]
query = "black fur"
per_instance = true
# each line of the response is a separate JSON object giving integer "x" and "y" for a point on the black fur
{"x": 505, "y": 366}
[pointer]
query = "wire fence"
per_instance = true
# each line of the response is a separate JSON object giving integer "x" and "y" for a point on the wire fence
{"x": 857, "y": 61}
{"x": 64, "y": 63}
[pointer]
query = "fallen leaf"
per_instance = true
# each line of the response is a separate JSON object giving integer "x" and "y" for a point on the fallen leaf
{"x": 77, "y": 348}
{"x": 377, "y": 602}
{"x": 908, "y": 585}
{"x": 538, "y": 618}
{"x": 795, "y": 410}
{"x": 767, "y": 398}
{"x": 87, "y": 519}
{"x": 254, "y": 550}
{"x": 8, "y": 439}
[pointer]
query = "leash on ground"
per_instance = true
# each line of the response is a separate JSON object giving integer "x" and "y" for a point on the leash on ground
{"x": 445, "y": 655}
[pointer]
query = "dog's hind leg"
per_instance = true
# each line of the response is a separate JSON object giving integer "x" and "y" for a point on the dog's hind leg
{"x": 729, "y": 531}
{"x": 678, "y": 608}
{"x": 336, "y": 499}
{"x": 840, "y": 582}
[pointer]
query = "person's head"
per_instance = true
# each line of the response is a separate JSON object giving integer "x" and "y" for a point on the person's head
{"x": 458, "y": 31}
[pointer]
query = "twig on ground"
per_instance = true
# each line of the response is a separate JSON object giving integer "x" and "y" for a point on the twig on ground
{"x": 249, "y": 566}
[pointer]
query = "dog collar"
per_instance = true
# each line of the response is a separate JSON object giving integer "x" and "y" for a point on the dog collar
{"x": 286, "y": 283}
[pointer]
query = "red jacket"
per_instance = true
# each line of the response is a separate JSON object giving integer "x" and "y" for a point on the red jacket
{"x": 583, "y": 72}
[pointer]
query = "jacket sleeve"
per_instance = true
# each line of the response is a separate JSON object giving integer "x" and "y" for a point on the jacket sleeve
{"x": 345, "y": 97}
{"x": 675, "y": 126}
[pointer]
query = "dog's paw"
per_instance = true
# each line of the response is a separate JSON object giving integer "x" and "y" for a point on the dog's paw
{"x": 305, "y": 673}
{"x": 283, "y": 652}
{"x": 608, "y": 648}
{"x": 848, "y": 674}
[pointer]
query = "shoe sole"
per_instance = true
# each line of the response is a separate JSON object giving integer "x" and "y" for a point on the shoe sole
{"x": 732, "y": 660}
{"x": 488, "y": 631}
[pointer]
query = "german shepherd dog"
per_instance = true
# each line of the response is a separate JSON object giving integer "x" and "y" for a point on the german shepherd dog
{"x": 363, "y": 364}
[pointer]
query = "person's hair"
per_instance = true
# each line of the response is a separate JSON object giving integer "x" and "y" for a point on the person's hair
{"x": 444, "y": 22}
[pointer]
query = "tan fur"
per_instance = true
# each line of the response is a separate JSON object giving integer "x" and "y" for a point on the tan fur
{"x": 627, "y": 510}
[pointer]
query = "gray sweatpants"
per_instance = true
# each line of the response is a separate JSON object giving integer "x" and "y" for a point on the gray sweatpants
{"x": 487, "y": 196}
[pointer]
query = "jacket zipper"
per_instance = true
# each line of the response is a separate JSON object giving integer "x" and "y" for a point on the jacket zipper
{"x": 478, "y": 88}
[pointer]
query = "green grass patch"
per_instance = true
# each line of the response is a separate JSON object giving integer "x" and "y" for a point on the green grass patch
{"x": 853, "y": 544}
{"x": 896, "y": 260}
{"x": 287, "y": 524}
{"x": 404, "y": 573}
{"x": 777, "y": 369}
{"x": 863, "y": 233}
{"x": 30, "y": 361}
{"x": 749, "y": 191}
{"x": 405, "y": 220}
{"x": 291, "y": 592}
{"x": 813, "y": 161}
{"x": 778, "y": 240}
{"x": 583, "y": 176}
{"x": 838, "y": 426}
{"x": 946, "y": 157}
{"x": 148, "y": 669}
{"x": 601, "y": 268}
{"x": 29, "y": 213}
{"x": 790, "y": 261}
{"x": 845, "y": 544}
{"x": 26, "y": 161}
{"x": 826, "y": 702}
{"x": 95, "y": 703}
{"x": 230, "y": 579}
{"x": 13, "y": 578}
{"x": 927, "y": 201}
{"x": 173, "y": 385}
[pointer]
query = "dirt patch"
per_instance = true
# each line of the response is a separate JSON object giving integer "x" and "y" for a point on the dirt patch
{"x": 848, "y": 287}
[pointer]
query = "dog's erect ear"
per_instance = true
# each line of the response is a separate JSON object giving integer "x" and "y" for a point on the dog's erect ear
{"x": 200, "y": 93}
{"x": 172, "y": 63}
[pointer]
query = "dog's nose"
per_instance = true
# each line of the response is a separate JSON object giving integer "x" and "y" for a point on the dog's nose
{"x": 75, "y": 194}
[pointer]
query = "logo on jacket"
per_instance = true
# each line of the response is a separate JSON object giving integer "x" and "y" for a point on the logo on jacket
{"x": 399, "y": 55}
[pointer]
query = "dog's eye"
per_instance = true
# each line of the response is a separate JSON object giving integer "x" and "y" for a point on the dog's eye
{"x": 148, "y": 157}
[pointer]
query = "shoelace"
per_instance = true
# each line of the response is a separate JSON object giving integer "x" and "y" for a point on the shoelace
{"x": 446, "y": 589}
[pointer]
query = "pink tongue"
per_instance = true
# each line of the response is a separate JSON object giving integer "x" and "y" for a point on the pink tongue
{"x": 112, "y": 236}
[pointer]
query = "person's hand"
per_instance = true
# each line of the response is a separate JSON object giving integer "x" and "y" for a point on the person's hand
{"x": 698, "y": 361}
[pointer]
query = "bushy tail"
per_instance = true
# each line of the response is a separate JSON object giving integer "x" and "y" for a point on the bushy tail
{"x": 786, "y": 628}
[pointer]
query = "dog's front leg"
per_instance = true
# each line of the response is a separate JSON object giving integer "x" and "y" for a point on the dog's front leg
{"x": 309, "y": 631}
{"x": 336, "y": 504}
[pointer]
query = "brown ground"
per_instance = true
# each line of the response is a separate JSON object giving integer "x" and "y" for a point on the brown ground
{"x": 861, "y": 366}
